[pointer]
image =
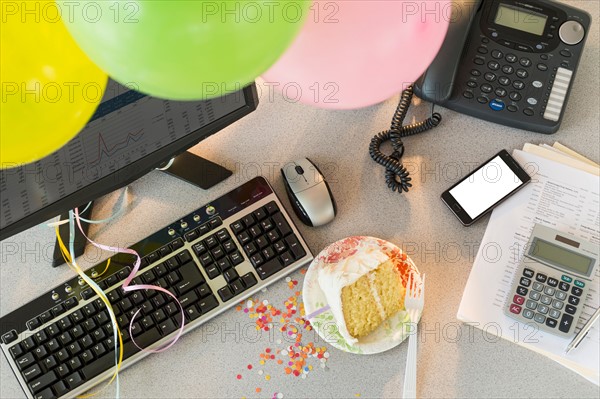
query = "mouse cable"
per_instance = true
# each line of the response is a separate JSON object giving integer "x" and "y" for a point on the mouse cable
{"x": 396, "y": 175}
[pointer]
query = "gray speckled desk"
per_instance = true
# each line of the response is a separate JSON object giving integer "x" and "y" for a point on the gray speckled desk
{"x": 454, "y": 361}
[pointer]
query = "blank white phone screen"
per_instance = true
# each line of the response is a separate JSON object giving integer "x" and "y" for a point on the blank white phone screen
{"x": 486, "y": 186}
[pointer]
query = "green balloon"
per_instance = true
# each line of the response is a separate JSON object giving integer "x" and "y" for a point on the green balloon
{"x": 184, "y": 49}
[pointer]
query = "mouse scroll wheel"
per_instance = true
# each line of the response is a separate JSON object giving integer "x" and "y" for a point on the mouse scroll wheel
{"x": 299, "y": 170}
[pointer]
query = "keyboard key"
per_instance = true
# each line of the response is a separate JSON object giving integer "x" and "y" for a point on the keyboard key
{"x": 223, "y": 264}
{"x": 89, "y": 309}
{"x": 45, "y": 317}
{"x": 45, "y": 394}
{"x": 58, "y": 310}
{"x": 249, "y": 280}
{"x": 249, "y": 220}
{"x": 143, "y": 340}
{"x": 286, "y": 258}
{"x": 244, "y": 238}
{"x": 230, "y": 275}
{"x": 50, "y": 362}
{"x": 273, "y": 235}
{"x": 211, "y": 242}
{"x": 52, "y": 345}
{"x": 99, "y": 349}
{"x": 212, "y": 271}
{"x": 74, "y": 380}
{"x": 269, "y": 268}
{"x": 167, "y": 327}
{"x": 271, "y": 208}
{"x": 192, "y": 313}
{"x": 236, "y": 258}
{"x": 216, "y": 222}
{"x": 268, "y": 253}
{"x": 250, "y": 248}
{"x": 260, "y": 214}
{"x": 207, "y": 304}
{"x": 237, "y": 227}
{"x": 28, "y": 343}
{"x": 257, "y": 260}
{"x": 204, "y": 290}
{"x": 206, "y": 260}
{"x": 191, "y": 235}
{"x": 223, "y": 235}
{"x": 191, "y": 277}
{"x": 40, "y": 352}
{"x": 74, "y": 348}
{"x": 60, "y": 388}
{"x": 255, "y": 231}
{"x": 282, "y": 224}
{"x": 267, "y": 224}
{"x": 217, "y": 253}
{"x": 86, "y": 341}
{"x": 199, "y": 248}
{"x": 188, "y": 299}
{"x": 16, "y": 351}
{"x": 203, "y": 229}
{"x": 262, "y": 242}
{"x": 25, "y": 361}
{"x": 184, "y": 257}
{"x": 237, "y": 287}
{"x": 42, "y": 382}
{"x": 280, "y": 247}
{"x": 176, "y": 244}
{"x": 225, "y": 293}
{"x": 229, "y": 246}
{"x": 40, "y": 337}
{"x": 32, "y": 372}
{"x": 87, "y": 294}
{"x": 33, "y": 323}
{"x": 294, "y": 245}
{"x": 62, "y": 370}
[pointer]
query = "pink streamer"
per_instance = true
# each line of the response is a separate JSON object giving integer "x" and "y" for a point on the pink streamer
{"x": 128, "y": 288}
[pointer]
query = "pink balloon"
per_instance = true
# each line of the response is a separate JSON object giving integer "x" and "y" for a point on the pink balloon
{"x": 355, "y": 53}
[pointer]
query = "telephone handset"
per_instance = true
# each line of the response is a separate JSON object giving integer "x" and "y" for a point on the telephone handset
{"x": 508, "y": 61}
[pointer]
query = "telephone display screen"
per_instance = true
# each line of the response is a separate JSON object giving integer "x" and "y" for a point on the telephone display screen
{"x": 520, "y": 19}
{"x": 486, "y": 186}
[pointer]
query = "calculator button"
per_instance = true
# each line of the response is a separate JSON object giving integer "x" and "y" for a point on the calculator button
{"x": 534, "y": 295}
{"x": 555, "y": 314}
{"x": 528, "y": 273}
{"x": 552, "y": 282}
{"x": 564, "y": 286}
{"x": 522, "y": 291}
{"x": 580, "y": 284}
{"x": 560, "y": 295}
{"x": 539, "y": 318}
{"x": 546, "y": 300}
{"x": 551, "y": 322}
{"x": 519, "y": 300}
{"x": 517, "y": 84}
{"x": 566, "y": 279}
{"x": 522, "y": 73}
{"x": 570, "y": 309}
{"x": 528, "y": 314}
{"x": 493, "y": 65}
{"x": 543, "y": 309}
{"x": 530, "y": 304}
{"x": 516, "y": 309}
{"x": 504, "y": 81}
{"x": 565, "y": 323}
{"x": 541, "y": 277}
{"x": 576, "y": 291}
{"x": 556, "y": 304}
{"x": 573, "y": 300}
{"x": 489, "y": 76}
{"x": 514, "y": 96}
{"x": 500, "y": 92}
{"x": 549, "y": 291}
{"x": 486, "y": 88}
{"x": 525, "y": 281}
{"x": 537, "y": 286}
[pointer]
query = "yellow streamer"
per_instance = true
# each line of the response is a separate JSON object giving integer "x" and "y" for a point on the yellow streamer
{"x": 77, "y": 269}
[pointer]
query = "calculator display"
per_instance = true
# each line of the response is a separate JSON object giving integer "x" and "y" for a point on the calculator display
{"x": 559, "y": 256}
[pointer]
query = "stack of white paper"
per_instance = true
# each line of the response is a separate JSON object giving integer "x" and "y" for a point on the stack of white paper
{"x": 564, "y": 194}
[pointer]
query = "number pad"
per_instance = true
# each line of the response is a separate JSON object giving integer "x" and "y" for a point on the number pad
{"x": 547, "y": 300}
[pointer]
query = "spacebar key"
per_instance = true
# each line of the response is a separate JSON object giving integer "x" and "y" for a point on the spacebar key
{"x": 269, "y": 268}
{"x": 99, "y": 366}
{"x": 143, "y": 341}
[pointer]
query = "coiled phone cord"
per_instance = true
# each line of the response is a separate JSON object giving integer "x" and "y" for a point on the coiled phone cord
{"x": 396, "y": 175}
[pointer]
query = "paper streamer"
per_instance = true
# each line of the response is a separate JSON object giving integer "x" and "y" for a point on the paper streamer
{"x": 129, "y": 288}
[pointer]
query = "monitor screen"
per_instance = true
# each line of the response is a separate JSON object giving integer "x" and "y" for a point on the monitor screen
{"x": 129, "y": 134}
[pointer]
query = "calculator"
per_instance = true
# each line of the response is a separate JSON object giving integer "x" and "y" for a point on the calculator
{"x": 552, "y": 281}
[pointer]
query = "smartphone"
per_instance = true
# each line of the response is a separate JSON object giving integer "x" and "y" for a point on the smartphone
{"x": 490, "y": 184}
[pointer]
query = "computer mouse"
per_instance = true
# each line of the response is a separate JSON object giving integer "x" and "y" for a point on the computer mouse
{"x": 309, "y": 193}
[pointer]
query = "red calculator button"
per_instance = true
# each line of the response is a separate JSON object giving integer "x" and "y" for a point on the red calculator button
{"x": 518, "y": 299}
{"x": 516, "y": 309}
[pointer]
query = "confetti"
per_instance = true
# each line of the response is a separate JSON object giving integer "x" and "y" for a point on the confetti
{"x": 357, "y": 395}
{"x": 258, "y": 390}
{"x": 239, "y": 376}
{"x": 279, "y": 395}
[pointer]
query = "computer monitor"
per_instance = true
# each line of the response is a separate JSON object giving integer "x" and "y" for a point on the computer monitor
{"x": 129, "y": 135}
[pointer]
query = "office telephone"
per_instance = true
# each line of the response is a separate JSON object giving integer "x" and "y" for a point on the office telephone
{"x": 510, "y": 62}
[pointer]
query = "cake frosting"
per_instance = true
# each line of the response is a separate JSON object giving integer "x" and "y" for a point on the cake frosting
{"x": 347, "y": 271}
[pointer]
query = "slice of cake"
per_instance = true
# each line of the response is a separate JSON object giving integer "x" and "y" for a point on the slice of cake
{"x": 362, "y": 290}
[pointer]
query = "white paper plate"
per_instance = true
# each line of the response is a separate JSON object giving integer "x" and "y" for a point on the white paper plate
{"x": 391, "y": 332}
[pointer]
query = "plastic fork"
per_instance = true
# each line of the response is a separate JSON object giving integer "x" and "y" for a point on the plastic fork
{"x": 413, "y": 302}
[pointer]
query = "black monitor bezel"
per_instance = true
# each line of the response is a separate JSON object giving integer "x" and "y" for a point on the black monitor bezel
{"x": 133, "y": 171}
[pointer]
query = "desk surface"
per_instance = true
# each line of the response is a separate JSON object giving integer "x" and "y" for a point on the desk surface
{"x": 454, "y": 360}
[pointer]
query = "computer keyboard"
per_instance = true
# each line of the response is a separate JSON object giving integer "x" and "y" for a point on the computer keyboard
{"x": 61, "y": 343}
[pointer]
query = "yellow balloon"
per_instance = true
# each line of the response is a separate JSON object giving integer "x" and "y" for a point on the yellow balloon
{"x": 50, "y": 88}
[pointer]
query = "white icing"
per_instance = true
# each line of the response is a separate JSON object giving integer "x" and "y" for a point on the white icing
{"x": 333, "y": 278}
{"x": 376, "y": 295}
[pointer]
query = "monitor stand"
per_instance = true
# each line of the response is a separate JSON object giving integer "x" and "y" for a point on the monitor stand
{"x": 186, "y": 166}
{"x": 79, "y": 242}
{"x": 196, "y": 170}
